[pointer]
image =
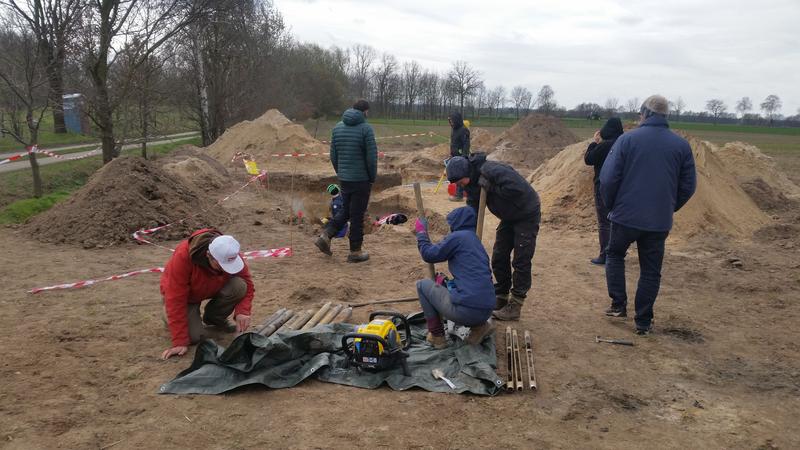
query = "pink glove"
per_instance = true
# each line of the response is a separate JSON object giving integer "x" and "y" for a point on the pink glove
{"x": 421, "y": 226}
{"x": 439, "y": 278}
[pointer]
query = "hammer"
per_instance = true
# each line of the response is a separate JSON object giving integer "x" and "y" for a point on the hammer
{"x": 613, "y": 341}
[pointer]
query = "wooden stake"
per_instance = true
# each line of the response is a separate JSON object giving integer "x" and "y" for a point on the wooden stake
{"x": 383, "y": 302}
{"x": 481, "y": 214}
{"x": 421, "y": 212}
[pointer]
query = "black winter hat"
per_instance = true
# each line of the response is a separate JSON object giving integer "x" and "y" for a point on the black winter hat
{"x": 361, "y": 105}
{"x": 457, "y": 168}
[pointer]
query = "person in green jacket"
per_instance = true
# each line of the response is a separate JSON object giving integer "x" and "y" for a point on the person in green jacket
{"x": 354, "y": 155}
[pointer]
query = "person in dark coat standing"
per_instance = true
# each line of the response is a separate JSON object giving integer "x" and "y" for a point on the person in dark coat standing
{"x": 649, "y": 174}
{"x": 514, "y": 201}
{"x": 459, "y": 145}
{"x": 354, "y": 155}
{"x": 595, "y": 156}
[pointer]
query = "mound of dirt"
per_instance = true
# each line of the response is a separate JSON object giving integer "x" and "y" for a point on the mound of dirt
{"x": 196, "y": 168}
{"x": 719, "y": 206}
{"x": 268, "y": 134}
{"x": 126, "y": 195}
{"x": 531, "y": 141}
{"x": 481, "y": 140}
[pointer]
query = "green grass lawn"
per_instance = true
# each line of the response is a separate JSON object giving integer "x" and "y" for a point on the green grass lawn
{"x": 58, "y": 179}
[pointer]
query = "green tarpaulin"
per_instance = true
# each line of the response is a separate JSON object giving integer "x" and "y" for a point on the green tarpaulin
{"x": 285, "y": 359}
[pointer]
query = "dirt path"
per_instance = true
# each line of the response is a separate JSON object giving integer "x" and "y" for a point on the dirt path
{"x": 81, "y": 367}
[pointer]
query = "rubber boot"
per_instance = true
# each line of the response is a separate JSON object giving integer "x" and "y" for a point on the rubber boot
{"x": 501, "y": 300}
{"x": 511, "y": 311}
{"x": 357, "y": 256}
{"x": 478, "y": 333}
{"x": 323, "y": 243}
{"x": 438, "y": 342}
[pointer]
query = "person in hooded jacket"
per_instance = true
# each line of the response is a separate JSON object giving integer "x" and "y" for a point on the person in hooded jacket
{"x": 354, "y": 155}
{"x": 514, "y": 201}
{"x": 595, "y": 156}
{"x": 459, "y": 145}
{"x": 205, "y": 266}
{"x": 469, "y": 298}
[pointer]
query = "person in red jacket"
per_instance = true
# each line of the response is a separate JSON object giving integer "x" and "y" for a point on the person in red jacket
{"x": 205, "y": 266}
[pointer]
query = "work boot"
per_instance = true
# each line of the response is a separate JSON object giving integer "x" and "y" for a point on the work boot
{"x": 438, "y": 342}
{"x": 616, "y": 311}
{"x": 323, "y": 243}
{"x": 599, "y": 261}
{"x": 227, "y": 326}
{"x": 357, "y": 256}
{"x": 511, "y": 311}
{"x": 501, "y": 300}
{"x": 478, "y": 333}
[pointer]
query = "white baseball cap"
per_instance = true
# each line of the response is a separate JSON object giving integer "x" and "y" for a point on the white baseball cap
{"x": 225, "y": 250}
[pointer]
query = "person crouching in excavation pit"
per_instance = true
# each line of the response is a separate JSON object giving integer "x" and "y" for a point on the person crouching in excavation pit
{"x": 514, "y": 201}
{"x": 205, "y": 266}
{"x": 468, "y": 299}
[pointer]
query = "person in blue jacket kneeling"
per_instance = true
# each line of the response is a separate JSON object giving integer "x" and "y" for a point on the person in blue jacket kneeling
{"x": 468, "y": 299}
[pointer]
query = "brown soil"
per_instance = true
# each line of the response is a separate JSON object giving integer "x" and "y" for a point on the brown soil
{"x": 722, "y": 369}
{"x": 531, "y": 141}
{"x": 126, "y": 195}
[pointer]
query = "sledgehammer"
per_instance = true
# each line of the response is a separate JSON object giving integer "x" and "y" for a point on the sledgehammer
{"x": 599, "y": 339}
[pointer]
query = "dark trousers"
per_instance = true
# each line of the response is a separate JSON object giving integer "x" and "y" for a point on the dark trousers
{"x": 217, "y": 310}
{"x": 650, "y": 245}
{"x": 519, "y": 237}
{"x": 603, "y": 224}
{"x": 355, "y": 198}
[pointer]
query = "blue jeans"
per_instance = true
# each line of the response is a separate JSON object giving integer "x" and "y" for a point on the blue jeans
{"x": 436, "y": 305}
{"x": 650, "y": 245}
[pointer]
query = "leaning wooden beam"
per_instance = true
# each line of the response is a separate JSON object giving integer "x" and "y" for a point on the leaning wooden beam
{"x": 331, "y": 314}
{"x": 270, "y": 319}
{"x": 481, "y": 214}
{"x": 288, "y": 314}
{"x": 421, "y": 212}
{"x": 529, "y": 357}
{"x": 383, "y": 302}
{"x": 316, "y": 317}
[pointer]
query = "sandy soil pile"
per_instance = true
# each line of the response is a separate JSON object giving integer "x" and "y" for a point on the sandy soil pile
{"x": 126, "y": 195}
{"x": 720, "y": 205}
{"x": 268, "y": 134}
{"x": 531, "y": 141}
{"x": 196, "y": 168}
{"x": 481, "y": 140}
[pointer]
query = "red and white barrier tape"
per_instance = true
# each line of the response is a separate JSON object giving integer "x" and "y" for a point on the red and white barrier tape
{"x": 272, "y": 253}
{"x": 427, "y": 133}
{"x": 20, "y": 155}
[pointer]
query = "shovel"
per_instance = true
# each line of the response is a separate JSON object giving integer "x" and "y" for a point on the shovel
{"x": 439, "y": 375}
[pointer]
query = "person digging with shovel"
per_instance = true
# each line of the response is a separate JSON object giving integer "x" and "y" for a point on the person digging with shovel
{"x": 468, "y": 299}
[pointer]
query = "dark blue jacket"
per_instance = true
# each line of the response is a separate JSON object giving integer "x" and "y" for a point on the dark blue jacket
{"x": 466, "y": 258}
{"x": 354, "y": 153}
{"x": 648, "y": 175}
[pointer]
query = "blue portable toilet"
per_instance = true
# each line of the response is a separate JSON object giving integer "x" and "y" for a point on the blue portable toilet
{"x": 74, "y": 117}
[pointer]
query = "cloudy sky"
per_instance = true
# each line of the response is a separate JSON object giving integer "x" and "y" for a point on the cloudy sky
{"x": 587, "y": 50}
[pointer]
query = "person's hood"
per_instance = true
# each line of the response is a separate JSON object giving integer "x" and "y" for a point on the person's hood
{"x": 352, "y": 117}
{"x": 456, "y": 119}
{"x": 198, "y": 245}
{"x": 463, "y": 218}
{"x": 655, "y": 120}
{"x": 612, "y": 129}
{"x": 457, "y": 168}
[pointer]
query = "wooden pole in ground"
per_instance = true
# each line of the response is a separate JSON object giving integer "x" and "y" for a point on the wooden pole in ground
{"x": 481, "y": 214}
{"x": 383, "y": 302}
{"x": 315, "y": 318}
{"x": 421, "y": 212}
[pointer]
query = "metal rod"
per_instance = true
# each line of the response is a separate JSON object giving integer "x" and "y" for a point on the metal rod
{"x": 481, "y": 213}
{"x": 269, "y": 320}
{"x": 288, "y": 314}
{"x": 510, "y": 359}
{"x": 517, "y": 361}
{"x": 315, "y": 318}
{"x": 345, "y": 315}
{"x": 421, "y": 212}
{"x": 331, "y": 314}
{"x": 382, "y": 302}
{"x": 529, "y": 358}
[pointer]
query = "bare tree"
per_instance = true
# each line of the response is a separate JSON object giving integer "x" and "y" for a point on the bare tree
{"x": 612, "y": 105}
{"x": 53, "y": 23}
{"x": 678, "y": 107}
{"x": 363, "y": 58}
{"x": 412, "y": 74}
{"x": 633, "y": 105}
{"x": 464, "y": 81}
{"x": 546, "y": 99}
{"x": 744, "y": 105}
{"x": 771, "y": 105}
{"x": 495, "y": 100}
{"x": 527, "y": 98}
{"x": 429, "y": 91}
{"x": 384, "y": 77}
{"x": 716, "y": 107}
{"x": 521, "y": 97}
{"x": 23, "y": 72}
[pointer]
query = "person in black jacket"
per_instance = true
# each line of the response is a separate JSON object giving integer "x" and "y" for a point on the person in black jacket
{"x": 595, "y": 156}
{"x": 459, "y": 145}
{"x": 514, "y": 201}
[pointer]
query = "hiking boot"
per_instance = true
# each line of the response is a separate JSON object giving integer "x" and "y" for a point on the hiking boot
{"x": 511, "y": 311}
{"x": 501, "y": 300}
{"x": 478, "y": 333}
{"x": 599, "y": 261}
{"x": 616, "y": 311}
{"x": 357, "y": 256}
{"x": 323, "y": 243}
{"x": 438, "y": 342}
{"x": 227, "y": 326}
{"x": 644, "y": 331}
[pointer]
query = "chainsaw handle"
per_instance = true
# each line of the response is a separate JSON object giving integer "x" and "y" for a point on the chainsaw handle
{"x": 370, "y": 337}
{"x": 393, "y": 314}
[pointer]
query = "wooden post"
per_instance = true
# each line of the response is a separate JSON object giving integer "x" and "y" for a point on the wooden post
{"x": 421, "y": 212}
{"x": 316, "y": 317}
{"x": 481, "y": 214}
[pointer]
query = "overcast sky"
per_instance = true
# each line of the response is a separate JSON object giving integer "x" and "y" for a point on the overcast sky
{"x": 586, "y": 50}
